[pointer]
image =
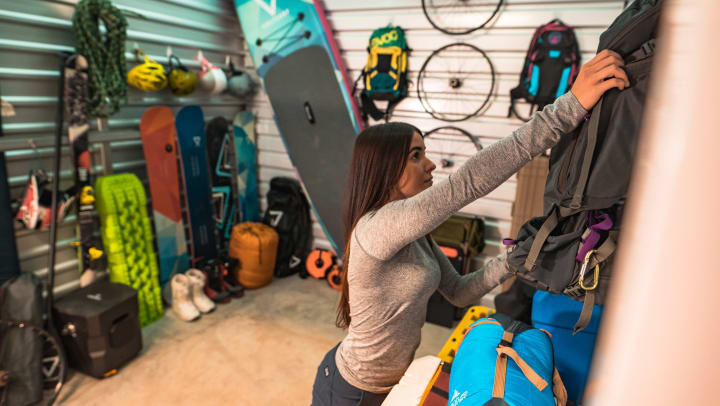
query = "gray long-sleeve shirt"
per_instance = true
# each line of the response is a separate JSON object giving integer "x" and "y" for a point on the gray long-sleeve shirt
{"x": 393, "y": 269}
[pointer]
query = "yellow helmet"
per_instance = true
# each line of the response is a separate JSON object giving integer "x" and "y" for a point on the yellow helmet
{"x": 182, "y": 82}
{"x": 148, "y": 76}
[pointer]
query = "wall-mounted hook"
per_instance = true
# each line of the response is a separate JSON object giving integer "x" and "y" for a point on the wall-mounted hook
{"x": 136, "y": 51}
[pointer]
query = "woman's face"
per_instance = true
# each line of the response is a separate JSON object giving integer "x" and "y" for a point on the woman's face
{"x": 417, "y": 175}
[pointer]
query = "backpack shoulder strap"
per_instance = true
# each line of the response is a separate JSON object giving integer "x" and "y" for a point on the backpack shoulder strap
{"x": 559, "y": 389}
{"x": 587, "y": 158}
{"x": 369, "y": 108}
{"x": 505, "y": 350}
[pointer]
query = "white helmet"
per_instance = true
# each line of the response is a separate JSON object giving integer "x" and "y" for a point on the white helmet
{"x": 212, "y": 79}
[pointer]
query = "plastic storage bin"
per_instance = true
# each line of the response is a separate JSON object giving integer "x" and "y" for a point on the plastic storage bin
{"x": 557, "y": 314}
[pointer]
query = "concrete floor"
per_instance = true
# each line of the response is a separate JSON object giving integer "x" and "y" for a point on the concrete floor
{"x": 262, "y": 349}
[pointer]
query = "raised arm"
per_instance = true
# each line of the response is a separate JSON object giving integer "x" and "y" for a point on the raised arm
{"x": 384, "y": 232}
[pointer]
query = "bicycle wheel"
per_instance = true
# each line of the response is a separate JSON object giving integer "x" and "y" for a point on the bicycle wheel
{"x": 448, "y": 143}
{"x": 456, "y": 82}
{"x": 459, "y": 17}
{"x": 54, "y": 364}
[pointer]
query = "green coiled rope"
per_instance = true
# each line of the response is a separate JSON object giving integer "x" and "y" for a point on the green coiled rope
{"x": 105, "y": 55}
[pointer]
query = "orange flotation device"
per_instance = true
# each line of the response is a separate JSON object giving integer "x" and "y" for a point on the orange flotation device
{"x": 318, "y": 263}
{"x": 334, "y": 277}
{"x": 255, "y": 246}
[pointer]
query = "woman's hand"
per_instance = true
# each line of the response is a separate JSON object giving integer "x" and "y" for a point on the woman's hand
{"x": 603, "y": 72}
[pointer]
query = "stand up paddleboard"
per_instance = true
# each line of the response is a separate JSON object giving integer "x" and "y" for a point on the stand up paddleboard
{"x": 306, "y": 81}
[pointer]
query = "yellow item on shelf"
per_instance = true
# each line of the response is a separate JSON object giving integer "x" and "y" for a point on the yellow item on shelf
{"x": 254, "y": 245}
{"x": 447, "y": 354}
{"x": 149, "y": 75}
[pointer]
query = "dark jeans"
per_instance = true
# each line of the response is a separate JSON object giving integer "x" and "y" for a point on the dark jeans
{"x": 330, "y": 389}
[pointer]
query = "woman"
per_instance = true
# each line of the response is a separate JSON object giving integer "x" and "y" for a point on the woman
{"x": 392, "y": 266}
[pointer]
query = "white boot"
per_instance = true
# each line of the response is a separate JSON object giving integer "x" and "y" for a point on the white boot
{"x": 201, "y": 301}
{"x": 182, "y": 303}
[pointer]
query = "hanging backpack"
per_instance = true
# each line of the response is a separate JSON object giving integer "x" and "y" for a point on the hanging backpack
{"x": 502, "y": 361}
{"x": 288, "y": 212}
{"x": 385, "y": 74}
{"x": 551, "y": 66}
{"x": 570, "y": 249}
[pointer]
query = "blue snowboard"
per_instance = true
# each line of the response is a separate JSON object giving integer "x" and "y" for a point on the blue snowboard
{"x": 244, "y": 133}
{"x": 190, "y": 126}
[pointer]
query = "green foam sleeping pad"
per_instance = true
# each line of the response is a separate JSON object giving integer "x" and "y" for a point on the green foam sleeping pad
{"x": 128, "y": 240}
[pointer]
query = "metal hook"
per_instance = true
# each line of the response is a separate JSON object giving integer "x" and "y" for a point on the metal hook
{"x": 583, "y": 269}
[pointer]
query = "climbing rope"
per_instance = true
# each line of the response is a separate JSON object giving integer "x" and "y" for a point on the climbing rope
{"x": 105, "y": 55}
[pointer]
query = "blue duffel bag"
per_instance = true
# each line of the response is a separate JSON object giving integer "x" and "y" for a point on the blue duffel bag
{"x": 504, "y": 362}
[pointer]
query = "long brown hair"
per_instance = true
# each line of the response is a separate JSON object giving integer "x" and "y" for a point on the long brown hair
{"x": 378, "y": 161}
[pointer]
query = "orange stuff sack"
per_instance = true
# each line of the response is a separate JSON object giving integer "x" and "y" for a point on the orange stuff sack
{"x": 254, "y": 245}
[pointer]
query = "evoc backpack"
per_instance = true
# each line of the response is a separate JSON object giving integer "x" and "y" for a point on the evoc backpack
{"x": 551, "y": 65}
{"x": 288, "y": 212}
{"x": 504, "y": 362}
{"x": 384, "y": 76}
{"x": 570, "y": 249}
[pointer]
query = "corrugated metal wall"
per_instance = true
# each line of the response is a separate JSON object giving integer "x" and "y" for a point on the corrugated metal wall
{"x": 33, "y": 31}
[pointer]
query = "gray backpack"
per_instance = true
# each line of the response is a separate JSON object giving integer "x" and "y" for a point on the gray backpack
{"x": 570, "y": 249}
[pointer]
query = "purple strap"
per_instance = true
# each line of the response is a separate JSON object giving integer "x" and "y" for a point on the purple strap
{"x": 597, "y": 222}
{"x": 509, "y": 241}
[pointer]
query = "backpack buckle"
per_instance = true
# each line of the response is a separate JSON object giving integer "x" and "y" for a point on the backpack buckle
{"x": 583, "y": 269}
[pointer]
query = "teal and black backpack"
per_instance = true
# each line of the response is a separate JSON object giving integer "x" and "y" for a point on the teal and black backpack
{"x": 385, "y": 74}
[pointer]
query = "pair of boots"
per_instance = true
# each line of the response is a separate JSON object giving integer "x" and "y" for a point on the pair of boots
{"x": 188, "y": 296}
{"x": 222, "y": 286}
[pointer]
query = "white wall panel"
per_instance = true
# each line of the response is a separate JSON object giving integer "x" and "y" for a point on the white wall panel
{"x": 505, "y": 41}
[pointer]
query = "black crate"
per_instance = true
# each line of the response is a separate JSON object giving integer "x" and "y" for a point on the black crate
{"x": 99, "y": 327}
